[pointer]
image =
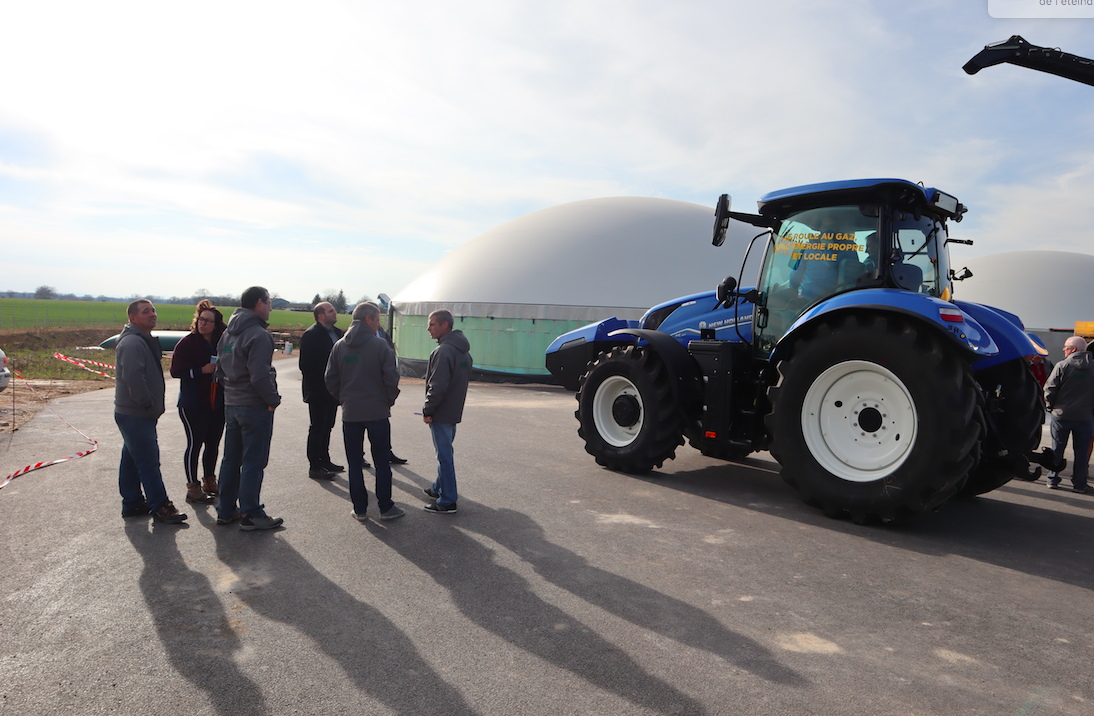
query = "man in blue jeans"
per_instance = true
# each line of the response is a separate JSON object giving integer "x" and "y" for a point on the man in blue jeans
{"x": 361, "y": 376}
{"x": 245, "y": 372}
{"x": 446, "y": 382}
{"x": 1069, "y": 396}
{"x": 138, "y": 405}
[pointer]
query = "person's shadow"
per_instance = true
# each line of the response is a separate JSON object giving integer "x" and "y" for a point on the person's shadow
{"x": 278, "y": 583}
{"x": 501, "y": 601}
{"x": 191, "y": 621}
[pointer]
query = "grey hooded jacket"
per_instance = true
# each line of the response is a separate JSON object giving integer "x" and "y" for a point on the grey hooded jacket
{"x": 447, "y": 377}
{"x": 139, "y": 384}
{"x": 1069, "y": 390}
{"x": 245, "y": 362}
{"x": 361, "y": 375}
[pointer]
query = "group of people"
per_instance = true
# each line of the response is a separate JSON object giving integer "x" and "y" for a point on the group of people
{"x": 228, "y": 386}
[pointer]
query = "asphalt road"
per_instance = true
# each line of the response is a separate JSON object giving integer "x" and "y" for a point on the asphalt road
{"x": 558, "y": 588}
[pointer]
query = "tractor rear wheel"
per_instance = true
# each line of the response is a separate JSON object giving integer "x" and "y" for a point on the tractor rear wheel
{"x": 874, "y": 418}
{"x": 627, "y": 413}
{"x": 1014, "y": 428}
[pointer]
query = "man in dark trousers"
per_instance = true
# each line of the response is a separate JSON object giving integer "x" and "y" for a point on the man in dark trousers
{"x": 362, "y": 377}
{"x": 315, "y": 347}
{"x": 138, "y": 405}
{"x": 1069, "y": 396}
{"x": 245, "y": 371}
{"x": 446, "y": 382}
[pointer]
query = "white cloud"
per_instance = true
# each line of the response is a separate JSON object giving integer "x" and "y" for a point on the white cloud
{"x": 312, "y": 135}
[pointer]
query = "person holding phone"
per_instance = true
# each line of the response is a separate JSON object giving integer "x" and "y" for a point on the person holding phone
{"x": 201, "y": 403}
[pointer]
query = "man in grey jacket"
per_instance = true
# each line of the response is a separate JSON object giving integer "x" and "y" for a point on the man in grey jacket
{"x": 1069, "y": 396}
{"x": 446, "y": 381}
{"x": 361, "y": 376}
{"x": 138, "y": 405}
{"x": 246, "y": 374}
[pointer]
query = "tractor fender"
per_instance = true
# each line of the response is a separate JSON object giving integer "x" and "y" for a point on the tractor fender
{"x": 1006, "y": 329}
{"x": 569, "y": 355}
{"x": 684, "y": 374}
{"x": 961, "y": 328}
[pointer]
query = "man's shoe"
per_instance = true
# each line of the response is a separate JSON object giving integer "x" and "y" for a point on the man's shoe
{"x": 1054, "y": 483}
{"x": 259, "y": 522}
{"x": 168, "y": 514}
{"x": 331, "y": 467}
{"x": 209, "y": 484}
{"x": 194, "y": 493}
{"x": 141, "y": 509}
{"x": 226, "y": 520}
{"x": 320, "y": 473}
{"x": 396, "y": 460}
{"x": 394, "y": 513}
{"x": 365, "y": 463}
{"x": 429, "y": 491}
{"x": 441, "y": 509}
{"x": 1088, "y": 490}
{"x": 359, "y": 516}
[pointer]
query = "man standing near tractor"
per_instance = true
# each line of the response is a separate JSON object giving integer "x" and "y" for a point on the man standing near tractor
{"x": 1069, "y": 396}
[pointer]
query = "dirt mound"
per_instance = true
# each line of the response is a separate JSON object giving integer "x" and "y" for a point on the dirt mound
{"x": 14, "y": 339}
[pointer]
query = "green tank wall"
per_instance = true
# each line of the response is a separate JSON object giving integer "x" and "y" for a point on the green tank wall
{"x": 506, "y": 345}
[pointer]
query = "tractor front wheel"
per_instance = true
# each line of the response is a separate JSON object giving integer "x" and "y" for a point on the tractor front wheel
{"x": 627, "y": 413}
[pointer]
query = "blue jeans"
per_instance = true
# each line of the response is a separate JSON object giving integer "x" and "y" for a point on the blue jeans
{"x": 248, "y": 430}
{"x": 1081, "y": 431}
{"x": 445, "y": 484}
{"x": 140, "y": 466}
{"x": 379, "y": 438}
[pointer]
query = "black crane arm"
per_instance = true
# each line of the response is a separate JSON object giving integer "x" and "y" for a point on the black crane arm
{"x": 1017, "y": 51}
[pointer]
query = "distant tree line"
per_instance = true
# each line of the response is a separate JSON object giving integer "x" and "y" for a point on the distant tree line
{"x": 49, "y": 292}
{"x": 337, "y": 299}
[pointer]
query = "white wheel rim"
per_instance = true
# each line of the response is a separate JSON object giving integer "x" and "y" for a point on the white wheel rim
{"x": 859, "y": 421}
{"x": 612, "y": 432}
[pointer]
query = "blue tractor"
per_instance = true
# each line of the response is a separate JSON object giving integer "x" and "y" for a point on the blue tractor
{"x": 879, "y": 394}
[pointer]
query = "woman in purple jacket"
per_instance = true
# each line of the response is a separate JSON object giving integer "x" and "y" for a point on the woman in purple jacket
{"x": 201, "y": 403}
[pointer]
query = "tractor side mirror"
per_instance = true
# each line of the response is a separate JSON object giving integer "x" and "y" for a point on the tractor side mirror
{"x": 725, "y": 290}
{"x": 961, "y": 275}
{"x": 721, "y": 219}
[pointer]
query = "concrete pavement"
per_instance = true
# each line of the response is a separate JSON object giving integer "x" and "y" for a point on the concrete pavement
{"x": 558, "y": 588}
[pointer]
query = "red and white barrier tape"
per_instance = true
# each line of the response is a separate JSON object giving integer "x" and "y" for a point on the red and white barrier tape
{"x": 79, "y": 363}
{"x": 40, "y": 465}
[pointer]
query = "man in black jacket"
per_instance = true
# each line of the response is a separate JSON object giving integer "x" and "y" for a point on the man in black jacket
{"x": 315, "y": 347}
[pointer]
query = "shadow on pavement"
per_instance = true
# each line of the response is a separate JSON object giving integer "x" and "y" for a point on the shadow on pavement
{"x": 1035, "y": 540}
{"x": 499, "y": 600}
{"x": 191, "y": 621}
{"x": 275, "y": 581}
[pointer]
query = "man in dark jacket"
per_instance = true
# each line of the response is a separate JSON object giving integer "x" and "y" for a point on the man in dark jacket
{"x": 446, "y": 381}
{"x": 315, "y": 347}
{"x": 1069, "y": 396}
{"x": 362, "y": 377}
{"x": 138, "y": 405}
{"x": 245, "y": 371}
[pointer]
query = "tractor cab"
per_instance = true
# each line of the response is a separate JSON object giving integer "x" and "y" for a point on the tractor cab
{"x": 833, "y": 238}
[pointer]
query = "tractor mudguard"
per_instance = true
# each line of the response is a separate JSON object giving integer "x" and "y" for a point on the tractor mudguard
{"x": 684, "y": 374}
{"x": 569, "y": 355}
{"x": 1006, "y": 329}
{"x": 958, "y": 326}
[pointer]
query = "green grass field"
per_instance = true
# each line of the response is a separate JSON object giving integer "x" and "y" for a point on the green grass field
{"x": 34, "y": 314}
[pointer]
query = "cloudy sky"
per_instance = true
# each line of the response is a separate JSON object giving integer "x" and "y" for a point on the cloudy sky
{"x": 156, "y": 148}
